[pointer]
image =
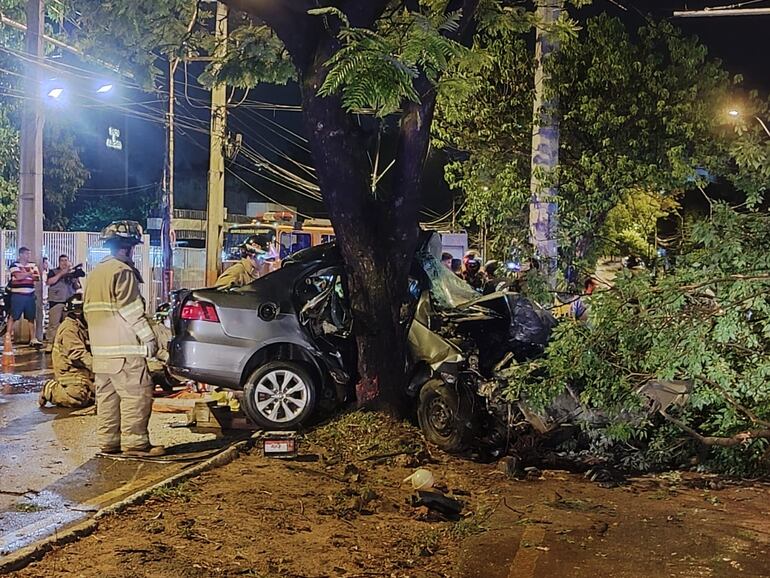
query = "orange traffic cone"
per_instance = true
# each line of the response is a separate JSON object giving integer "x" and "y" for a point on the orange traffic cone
{"x": 8, "y": 357}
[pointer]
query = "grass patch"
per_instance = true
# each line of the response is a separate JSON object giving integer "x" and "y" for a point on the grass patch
{"x": 428, "y": 543}
{"x": 29, "y": 507}
{"x": 360, "y": 435}
{"x": 179, "y": 493}
{"x": 472, "y": 525}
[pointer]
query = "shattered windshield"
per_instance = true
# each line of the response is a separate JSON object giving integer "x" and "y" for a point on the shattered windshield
{"x": 447, "y": 289}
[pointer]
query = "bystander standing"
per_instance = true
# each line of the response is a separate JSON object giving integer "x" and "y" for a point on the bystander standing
{"x": 24, "y": 277}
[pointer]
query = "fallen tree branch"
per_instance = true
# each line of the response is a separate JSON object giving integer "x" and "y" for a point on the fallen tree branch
{"x": 724, "y": 442}
{"x": 388, "y": 455}
{"x": 737, "y": 277}
{"x": 732, "y": 401}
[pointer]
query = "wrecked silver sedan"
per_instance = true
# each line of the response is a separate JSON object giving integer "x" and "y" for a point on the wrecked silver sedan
{"x": 286, "y": 339}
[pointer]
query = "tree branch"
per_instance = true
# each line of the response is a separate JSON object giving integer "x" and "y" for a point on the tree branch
{"x": 290, "y": 21}
{"x": 732, "y": 401}
{"x": 711, "y": 441}
{"x": 728, "y": 279}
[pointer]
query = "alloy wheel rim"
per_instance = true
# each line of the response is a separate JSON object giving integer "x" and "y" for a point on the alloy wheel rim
{"x": 281, "y": 395}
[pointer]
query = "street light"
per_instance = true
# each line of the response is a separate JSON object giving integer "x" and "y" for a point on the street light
{"x": 103, "y": 89}
{"x": 735, "y": 113}
{"x": 55, "y": 92}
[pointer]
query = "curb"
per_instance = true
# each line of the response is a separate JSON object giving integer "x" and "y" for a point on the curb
{"x": 36, "y": 551}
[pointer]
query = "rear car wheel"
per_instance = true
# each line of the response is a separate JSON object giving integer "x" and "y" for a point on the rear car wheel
{"x": 279, "y": 395}
{"x": 444, "y": 417}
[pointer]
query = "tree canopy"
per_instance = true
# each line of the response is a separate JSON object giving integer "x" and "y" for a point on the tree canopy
{"x": 385, "y": 58}
{"x": 640, "y": 112}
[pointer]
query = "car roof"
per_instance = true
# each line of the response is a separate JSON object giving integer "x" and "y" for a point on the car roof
{"x": 326, "y": 252}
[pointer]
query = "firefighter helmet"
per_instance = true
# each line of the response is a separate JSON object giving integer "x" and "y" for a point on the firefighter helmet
{"x": 74, "y": 305}
{"x": 255, "y": 245}
{"x": 123, "y": 232}
{"x": 472, "y": 262}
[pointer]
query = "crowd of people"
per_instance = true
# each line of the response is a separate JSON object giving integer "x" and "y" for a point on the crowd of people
{"x": 485, "y": 280}
{"x": 489, "y": 278}
{"x": 104, "y": 347}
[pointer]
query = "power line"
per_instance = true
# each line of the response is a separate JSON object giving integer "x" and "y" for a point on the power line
{"x": 147, "y": 186}
{"x": 237, "y": 176}
{"x": 278, "y": 175}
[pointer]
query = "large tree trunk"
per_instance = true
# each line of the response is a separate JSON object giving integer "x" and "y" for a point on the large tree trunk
{"x": 377, "y": 235}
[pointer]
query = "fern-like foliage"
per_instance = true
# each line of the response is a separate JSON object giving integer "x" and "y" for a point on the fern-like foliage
{"x": 376, "y": 69}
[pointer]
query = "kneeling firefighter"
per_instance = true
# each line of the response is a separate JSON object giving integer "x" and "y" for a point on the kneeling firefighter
{"x": 251, "y": 266}
{"x": 73, "y": 383}
{"x": 157, "y": 364}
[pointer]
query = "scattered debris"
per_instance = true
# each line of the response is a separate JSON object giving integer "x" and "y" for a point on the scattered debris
{"x": 510, "y": 466}
{"x": 437, "y": 502}
{"x": 421, "y": 479}
{"x": 533, "y": 473}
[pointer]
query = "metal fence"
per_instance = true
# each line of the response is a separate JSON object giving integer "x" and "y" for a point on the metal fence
{"x": 189, "y": 267}
{"x": 80, "y": 247}
{"x": 86, "y": 248}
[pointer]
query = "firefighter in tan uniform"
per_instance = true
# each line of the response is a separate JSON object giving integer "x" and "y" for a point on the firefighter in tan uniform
{"x": 121, "y": 342}
{"x": 157, "y": 365}
{"x": 251, "y": 266}
{"x": 73, "y": 383}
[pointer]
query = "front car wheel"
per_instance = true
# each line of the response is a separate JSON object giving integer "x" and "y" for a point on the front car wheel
{"x": 444, "y": 418}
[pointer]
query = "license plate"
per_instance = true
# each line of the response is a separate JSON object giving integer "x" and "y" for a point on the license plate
{"x": 279, "y": 446}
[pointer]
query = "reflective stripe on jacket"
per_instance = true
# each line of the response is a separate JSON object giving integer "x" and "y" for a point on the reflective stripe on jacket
{"x": 114, "y": 311}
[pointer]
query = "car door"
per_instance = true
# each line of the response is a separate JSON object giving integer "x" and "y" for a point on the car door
{"x": 324, "y": 310}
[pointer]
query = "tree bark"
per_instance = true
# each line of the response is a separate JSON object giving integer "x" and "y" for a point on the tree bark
{"x": 377, "y": 236}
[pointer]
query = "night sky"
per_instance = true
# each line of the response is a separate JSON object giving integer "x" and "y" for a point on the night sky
{"x": 742, "y": 44}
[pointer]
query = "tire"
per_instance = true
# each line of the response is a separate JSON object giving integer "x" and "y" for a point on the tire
{"x": 444, "y": 417}
{"x": 261, "y": 395}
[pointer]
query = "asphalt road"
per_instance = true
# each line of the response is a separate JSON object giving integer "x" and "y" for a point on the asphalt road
{"x": 50, "y": 476}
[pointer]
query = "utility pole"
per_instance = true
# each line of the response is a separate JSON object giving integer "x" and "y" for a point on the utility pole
{"x": 543, "y": 223}
{"x": 215, "y": 205}
{"x": 167, "y": 232}
{"x": 30, "y": 207}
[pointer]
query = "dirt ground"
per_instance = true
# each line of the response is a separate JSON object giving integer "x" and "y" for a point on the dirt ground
{"x": 344, "y": 511}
